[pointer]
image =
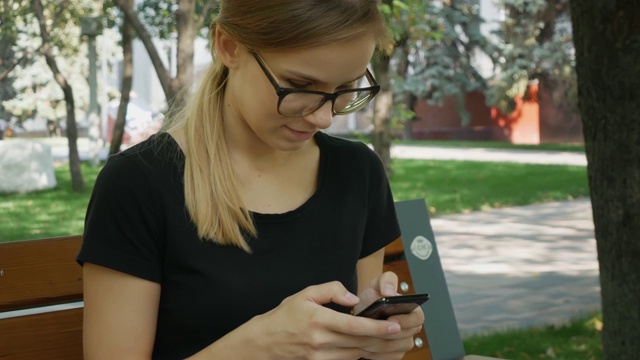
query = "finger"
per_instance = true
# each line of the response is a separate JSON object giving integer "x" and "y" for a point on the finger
{"x": 384, "y": 285}
{"x": 412, "y": 319}
{"x": 388, "y": 284}
{"x": 403, "y": 334}
{"x": 361, "y": 326}
{"x": 330, "y": 292}
{"x": 389, "y": 348}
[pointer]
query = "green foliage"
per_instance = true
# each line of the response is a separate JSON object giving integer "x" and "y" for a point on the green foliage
{"x": 35, "y": 91}
{"x": 439, "y": 41}
{"x": 442, "y": 38}
{"x": 8, "y": 35}
{"x": 9, "y": 13}
{"x": 400, "y": 113}
{"x": 534, "y": 41}
{"x": 63, "y": 24}
{"x": 159, "y": 17}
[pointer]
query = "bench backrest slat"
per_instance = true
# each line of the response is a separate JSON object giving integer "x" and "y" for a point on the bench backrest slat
{"x": 39, "y": 272}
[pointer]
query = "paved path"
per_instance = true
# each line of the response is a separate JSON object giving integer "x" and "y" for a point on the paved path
{"x": 60, "y": 152}
{"x": 520, "y": 266}
{"x": 485, "y": 154}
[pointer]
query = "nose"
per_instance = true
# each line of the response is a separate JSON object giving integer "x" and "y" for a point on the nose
{"x": 322, "y": 117}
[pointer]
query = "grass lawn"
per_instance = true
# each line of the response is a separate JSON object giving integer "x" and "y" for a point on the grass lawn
{"x": 464, "y": 186}
{"x": 579, "y": 339}
{"x": 56, "y": 212}
{"x": 448, "y": 186}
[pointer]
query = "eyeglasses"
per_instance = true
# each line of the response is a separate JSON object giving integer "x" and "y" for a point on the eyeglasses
{"x": 299, "y": 102}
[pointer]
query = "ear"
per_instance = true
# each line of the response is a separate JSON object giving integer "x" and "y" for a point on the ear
{"x": 227, "y": 49}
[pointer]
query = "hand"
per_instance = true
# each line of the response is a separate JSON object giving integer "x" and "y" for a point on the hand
{"x": 301, "y": 328}
{"x": 383, "y": 286}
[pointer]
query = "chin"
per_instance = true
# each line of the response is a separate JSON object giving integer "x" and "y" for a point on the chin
{"x": 291, "y": 145}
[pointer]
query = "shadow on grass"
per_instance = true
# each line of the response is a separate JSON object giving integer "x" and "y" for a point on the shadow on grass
{"x": 55, "y": 212}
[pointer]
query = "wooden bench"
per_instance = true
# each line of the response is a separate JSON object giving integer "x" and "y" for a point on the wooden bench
{"x": 41, "y": 299}
{"x": 41, "y": 294}
{"x": 416, "y": 260}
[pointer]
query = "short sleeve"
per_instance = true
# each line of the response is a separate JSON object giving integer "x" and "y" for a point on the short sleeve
{"x": 382, "y": 223}
{"x": 122, "y": 230}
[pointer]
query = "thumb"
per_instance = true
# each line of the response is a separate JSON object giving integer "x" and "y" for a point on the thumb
{"x": 329, "y": 292}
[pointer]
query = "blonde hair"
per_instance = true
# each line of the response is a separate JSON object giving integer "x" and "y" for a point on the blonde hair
{"x": 211, "y": 192}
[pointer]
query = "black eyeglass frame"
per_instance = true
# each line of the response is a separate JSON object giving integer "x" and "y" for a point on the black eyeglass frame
{"x": 283, "y": 91}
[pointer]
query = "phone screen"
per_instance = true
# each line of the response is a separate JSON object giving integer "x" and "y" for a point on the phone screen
{"x": 393, "y": 305}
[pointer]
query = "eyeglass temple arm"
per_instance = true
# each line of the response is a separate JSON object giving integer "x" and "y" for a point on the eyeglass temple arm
{"x": 369, "y": 76}
{"x": 270, "y": 75}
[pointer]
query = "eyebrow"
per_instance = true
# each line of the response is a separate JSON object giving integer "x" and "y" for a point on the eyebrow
{"x": 318, "y": 81}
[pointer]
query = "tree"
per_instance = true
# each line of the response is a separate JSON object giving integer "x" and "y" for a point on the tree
{"x": 442, "y": 59}
{"x": 188, "y": 22}
{"x": 432, "y": 60}
{"x": 607, "y": 41}
{"x": 47, "y": 49}
{"x": 533, "y": 43}
{"x": 8, "y": 59}
{"x": 36, "y": 93}
{"x": 12, "y": 54}
{"x": 127, "y": 84}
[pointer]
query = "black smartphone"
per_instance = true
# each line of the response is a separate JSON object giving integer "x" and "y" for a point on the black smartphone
{"x": 393, "y": 305}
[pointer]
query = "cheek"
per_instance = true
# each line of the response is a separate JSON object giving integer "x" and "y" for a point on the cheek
{"x": 256, "y": 93}
{"x": 265, "y": 96}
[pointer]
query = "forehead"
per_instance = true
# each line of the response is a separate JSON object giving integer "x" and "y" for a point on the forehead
{"x": 337, "y": 62}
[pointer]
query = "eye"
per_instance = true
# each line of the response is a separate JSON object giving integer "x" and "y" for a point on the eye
{"x": 298, "y": 85}
{"x": 351, "y": 85}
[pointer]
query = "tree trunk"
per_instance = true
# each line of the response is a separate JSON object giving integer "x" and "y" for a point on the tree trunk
{"x": 407, "y": 98}
{"x": 187, "y": 24}
{"x": 559, "y": 120}
{"x": 381, "y": 136}
{"x": 125, "y": 89}
{"x": 186, "y": 27}
{"x": 607, "y": 41}
{"x": 77, "y": 182}
{"x": 145, "y": 37}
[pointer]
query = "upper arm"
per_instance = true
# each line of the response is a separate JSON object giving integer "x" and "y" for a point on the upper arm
{"x": 369, "y": 268}
{"x": 120, "y": 314}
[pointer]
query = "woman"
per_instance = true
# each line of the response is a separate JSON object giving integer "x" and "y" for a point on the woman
{"x": 243, "y": 232}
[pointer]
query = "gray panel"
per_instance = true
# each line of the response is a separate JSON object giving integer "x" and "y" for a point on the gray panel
{"x": 427, "y": 275}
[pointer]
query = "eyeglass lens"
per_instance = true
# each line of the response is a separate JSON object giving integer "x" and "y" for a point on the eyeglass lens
{"x": 301, "y": 104}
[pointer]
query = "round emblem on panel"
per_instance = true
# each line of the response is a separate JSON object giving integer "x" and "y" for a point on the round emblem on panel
{"x": 421, "y": 247}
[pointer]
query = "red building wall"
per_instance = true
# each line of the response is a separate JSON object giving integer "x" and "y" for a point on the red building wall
{"x": 525, "y": 125}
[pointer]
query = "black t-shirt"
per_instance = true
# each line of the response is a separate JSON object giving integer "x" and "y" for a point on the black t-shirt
{"x": 137, "y": 223}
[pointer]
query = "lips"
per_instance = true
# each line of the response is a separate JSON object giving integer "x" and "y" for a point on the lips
{"x": 302, "y": 135}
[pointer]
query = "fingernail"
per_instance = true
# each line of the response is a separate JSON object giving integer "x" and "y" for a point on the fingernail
{"x": 394, "y": 328}
{"x": 388, "y": 290}
{"x": 351, "y": 297}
